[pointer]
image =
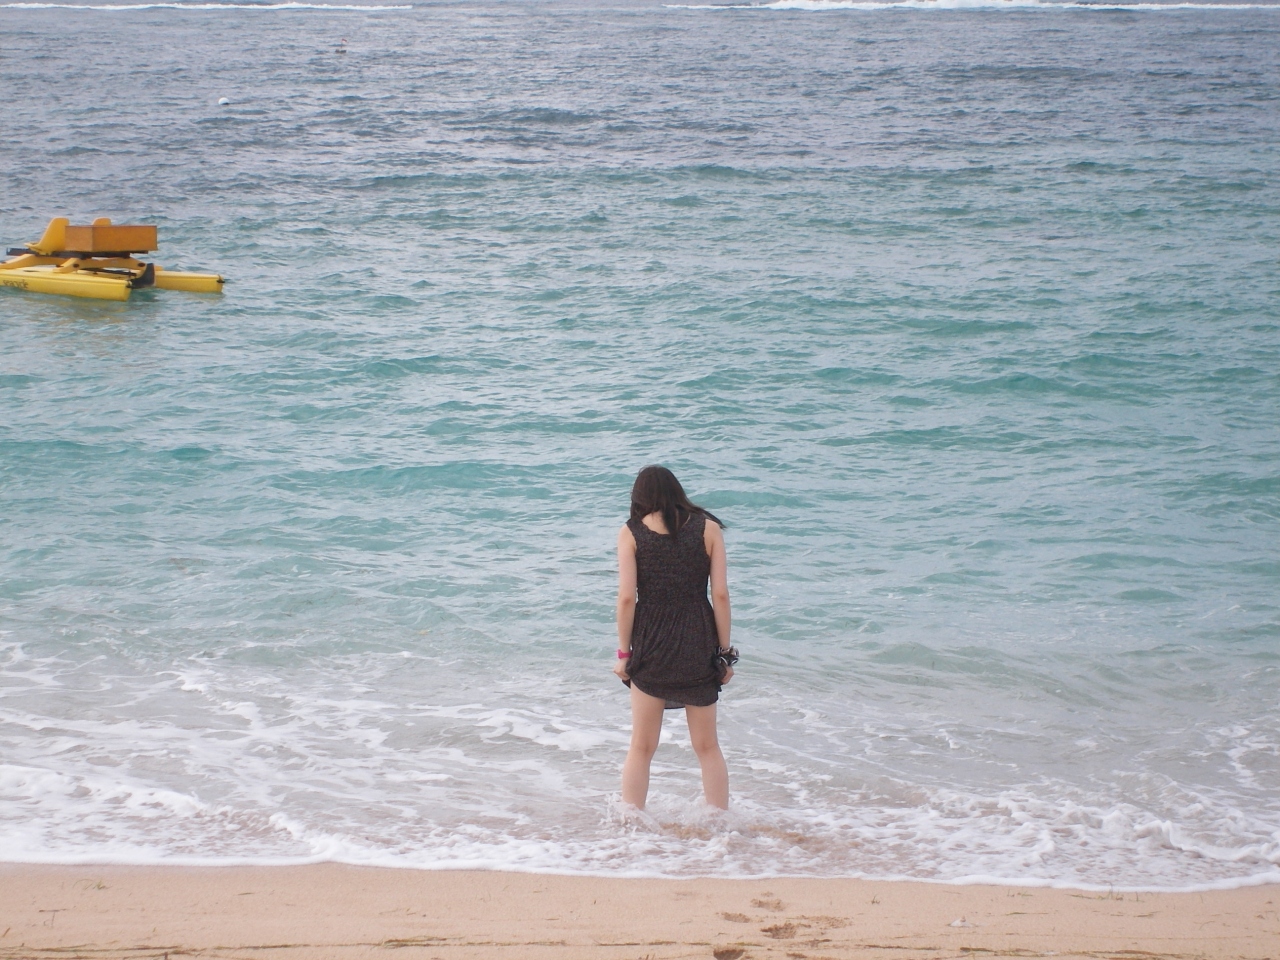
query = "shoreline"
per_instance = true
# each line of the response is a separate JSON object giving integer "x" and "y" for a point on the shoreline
{"x": 330, "y": 910}
{"x": 1271, "y": 878}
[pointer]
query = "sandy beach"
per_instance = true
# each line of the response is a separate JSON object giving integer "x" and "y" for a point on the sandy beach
{"x": 335, "y": 911}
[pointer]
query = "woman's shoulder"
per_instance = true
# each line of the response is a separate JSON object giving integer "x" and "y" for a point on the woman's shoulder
{"x": 711, "y": 535}
{"x": 703, "y": 521}
{"x": 701, "y": 527}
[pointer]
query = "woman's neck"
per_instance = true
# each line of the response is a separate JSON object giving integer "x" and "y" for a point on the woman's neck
{"x": 656, "y": 523}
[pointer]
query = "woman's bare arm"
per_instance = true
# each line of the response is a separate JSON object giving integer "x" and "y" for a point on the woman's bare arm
{"x": 713, "y": 537}
{"x": 626, "y": 594}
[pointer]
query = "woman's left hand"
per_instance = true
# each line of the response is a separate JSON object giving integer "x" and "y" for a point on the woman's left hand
{"x": 620, "y": 669}
{"x": 728, "y": 675}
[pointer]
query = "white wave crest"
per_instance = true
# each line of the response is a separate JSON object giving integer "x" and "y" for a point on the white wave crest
{"x": 200, "y": 6}
{"x": 826, "y": 5}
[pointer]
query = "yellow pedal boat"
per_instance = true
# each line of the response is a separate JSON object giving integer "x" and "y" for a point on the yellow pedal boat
{"x": 96, "y": 261}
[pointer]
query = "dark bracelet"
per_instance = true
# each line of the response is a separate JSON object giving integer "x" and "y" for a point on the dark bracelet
{"x": 727, "y": 658}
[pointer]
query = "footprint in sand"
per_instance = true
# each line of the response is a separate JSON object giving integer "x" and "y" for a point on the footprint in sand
{"x": 780, "y": 931}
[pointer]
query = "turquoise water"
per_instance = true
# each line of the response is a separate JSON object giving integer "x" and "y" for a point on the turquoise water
{"x": 963, "y": 320}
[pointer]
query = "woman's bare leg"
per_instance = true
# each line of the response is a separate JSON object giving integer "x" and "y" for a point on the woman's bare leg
{"x": 715, "y": 774}
{"x": 646, "y": 728}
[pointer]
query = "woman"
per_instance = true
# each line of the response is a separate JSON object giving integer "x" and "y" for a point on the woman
{"x": 673, "y": 646}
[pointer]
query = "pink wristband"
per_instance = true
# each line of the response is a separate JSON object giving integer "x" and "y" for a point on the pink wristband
{"x": 623, "y": 654}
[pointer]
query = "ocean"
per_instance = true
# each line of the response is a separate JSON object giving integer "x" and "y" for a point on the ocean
{"x": 963, "y": 316}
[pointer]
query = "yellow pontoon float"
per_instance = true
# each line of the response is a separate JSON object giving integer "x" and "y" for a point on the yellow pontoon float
{"x": 96, "y": 261}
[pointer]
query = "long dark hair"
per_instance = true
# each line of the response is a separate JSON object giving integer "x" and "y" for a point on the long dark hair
{"x": 657, "y": 490}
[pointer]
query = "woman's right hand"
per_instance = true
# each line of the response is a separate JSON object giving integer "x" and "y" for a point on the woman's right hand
{"x": 620, "y": 669}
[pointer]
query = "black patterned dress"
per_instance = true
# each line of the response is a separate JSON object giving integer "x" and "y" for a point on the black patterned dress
{"x": 673, "y": 638}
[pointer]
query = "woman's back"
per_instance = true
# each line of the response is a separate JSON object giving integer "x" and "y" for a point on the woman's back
{"x": 671, "y": 568}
